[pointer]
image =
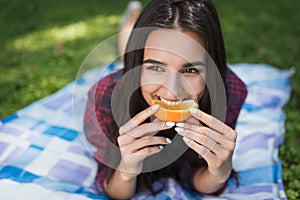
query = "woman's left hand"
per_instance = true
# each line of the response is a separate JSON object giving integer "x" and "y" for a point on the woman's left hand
{"x": 214, "y": 143}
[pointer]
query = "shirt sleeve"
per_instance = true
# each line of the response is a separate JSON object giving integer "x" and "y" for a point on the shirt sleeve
{"x": 99, "y": 125}
{"x": 236, "y": 95}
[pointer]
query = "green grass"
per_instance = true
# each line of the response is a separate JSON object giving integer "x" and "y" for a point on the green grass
{"x": 44, "y": 43}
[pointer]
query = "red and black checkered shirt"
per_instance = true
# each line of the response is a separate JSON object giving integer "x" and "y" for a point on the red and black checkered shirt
{"x": 98, "y": 121}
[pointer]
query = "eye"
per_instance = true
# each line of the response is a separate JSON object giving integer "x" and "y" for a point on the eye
{"x": 155, "y": 68}
{"x": 191, "y": 70}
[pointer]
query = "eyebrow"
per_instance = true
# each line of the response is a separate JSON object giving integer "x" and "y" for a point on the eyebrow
{"x": 189, "y": 64}
{"x": 196, "y": 63}
{"x": 152, "y": 61}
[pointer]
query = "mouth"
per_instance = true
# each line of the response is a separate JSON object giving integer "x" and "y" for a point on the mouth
{"x": 171, "y": 102}
{"x": 174, "y": 111}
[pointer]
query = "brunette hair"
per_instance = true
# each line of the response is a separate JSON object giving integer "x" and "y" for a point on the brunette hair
{"x": 199, "y": 16}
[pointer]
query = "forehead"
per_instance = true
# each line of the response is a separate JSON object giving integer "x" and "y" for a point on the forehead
{"x": 186, "y": 44}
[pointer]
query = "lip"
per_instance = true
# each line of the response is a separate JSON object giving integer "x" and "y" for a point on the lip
{"x": 170, "y": 103}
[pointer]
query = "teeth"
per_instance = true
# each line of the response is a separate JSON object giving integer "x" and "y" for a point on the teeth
{"x": 170, "y": 103}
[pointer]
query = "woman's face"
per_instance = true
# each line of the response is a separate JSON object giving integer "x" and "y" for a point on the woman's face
{"x": 173, "y": 67}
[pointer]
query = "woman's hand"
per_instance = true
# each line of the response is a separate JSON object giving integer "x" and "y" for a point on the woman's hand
{"x": 136, "y": 142}
{"x": 214, "y": 143}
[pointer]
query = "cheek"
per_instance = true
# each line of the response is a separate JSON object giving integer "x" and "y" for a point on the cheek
{"x": 200, "y": 89}
{"x": 196, "y": 87}
{"x": 148, "y": 78}
{"x": 147, "y": 91}
{"x": 145, "y": 86}
{"x": 149, "y": 85}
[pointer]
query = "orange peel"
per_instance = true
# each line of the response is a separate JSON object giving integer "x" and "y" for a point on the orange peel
{"x": 174, "y": 113}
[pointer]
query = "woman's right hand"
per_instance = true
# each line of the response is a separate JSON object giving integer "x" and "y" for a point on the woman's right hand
{"x": 137, "y": 141}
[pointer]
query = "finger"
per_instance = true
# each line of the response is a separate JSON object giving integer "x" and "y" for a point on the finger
{"x": 202, "y": 130}
{"x": 214, "y": 123}
{"x": 145, "y": 142}
{"x": 138, "y": 119}
{"x": 131, "y": 159}
{"x": 199, "y": 138}
{"x": 214, "y": 160}
{"x": 147, "y": 129}
{"x": 150, "y": 129}
{"x": 221, "y": 151}
{"x": 219, "y": 138}
{"x": 192, "y": 120}
{"x": 200, "y": 149}
{"x": 148, "y": 151}
{"x": 207, "y": 119}
{"x": 225, "y": 142}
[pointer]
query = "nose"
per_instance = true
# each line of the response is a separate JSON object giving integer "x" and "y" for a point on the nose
{"x": 173, "y": 86}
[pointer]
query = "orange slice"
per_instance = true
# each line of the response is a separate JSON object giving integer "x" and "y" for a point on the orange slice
{"x": 174, "y": 113}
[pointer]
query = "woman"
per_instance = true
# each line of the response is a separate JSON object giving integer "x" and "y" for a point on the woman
{"x": 176, "y": 52}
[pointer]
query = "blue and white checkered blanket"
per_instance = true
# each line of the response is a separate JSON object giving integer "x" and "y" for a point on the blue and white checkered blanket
{"x": 43, "y": 154}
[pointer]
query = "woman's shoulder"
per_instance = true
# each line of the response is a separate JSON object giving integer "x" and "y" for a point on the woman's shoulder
{"x": 111, "y": 79}
{"x": 107, "y": 83}
{"x": 236, "y": 95}
{"x": 101, "y": 92}
{"x": 236, "y": 88}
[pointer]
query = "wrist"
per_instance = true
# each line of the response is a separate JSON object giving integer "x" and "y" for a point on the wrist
{"x": 126, "y": 176}
{"x": 221, "y": 174}
{"x": 207, "y": 183}
{"x": 220, "y": 177}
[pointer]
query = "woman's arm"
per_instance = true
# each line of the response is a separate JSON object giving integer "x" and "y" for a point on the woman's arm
{"x": 204, "y": 182}
{"x": 121, "y": 185}
{"x": 214, "y": 143}
{"x": 136, "y": 142}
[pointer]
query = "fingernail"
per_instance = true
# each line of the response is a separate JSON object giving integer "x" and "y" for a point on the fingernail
{"x": 170, "y": 124}
{"x": 185, "y": 139}
{"x": 180, "y": 124}
{"x": 161, "y": 146}
{"x": 168, "y": 140}
{"x": 178, "y": 129}
{"x": 155, "y": 107}
{"x": 193, "y": 110}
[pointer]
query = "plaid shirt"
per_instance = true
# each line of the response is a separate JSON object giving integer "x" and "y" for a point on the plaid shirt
{"x": 98, "y": 120}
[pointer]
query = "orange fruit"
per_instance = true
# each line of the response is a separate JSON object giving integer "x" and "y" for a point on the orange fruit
{"x": 174, "y": 113}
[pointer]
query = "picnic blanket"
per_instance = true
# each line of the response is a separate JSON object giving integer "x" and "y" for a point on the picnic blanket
{"x": 44, "y": 154}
